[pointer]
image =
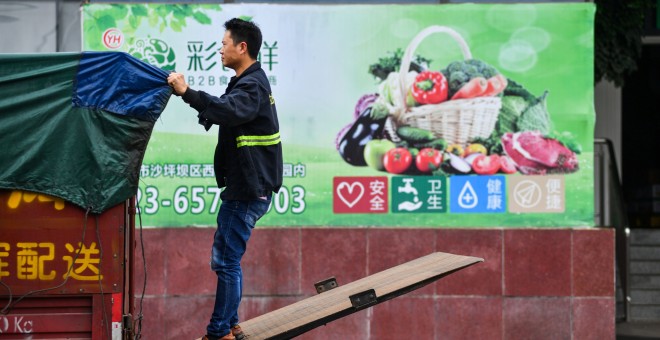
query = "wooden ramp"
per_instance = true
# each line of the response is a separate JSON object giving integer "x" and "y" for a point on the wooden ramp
{"x": 307, "y": 314}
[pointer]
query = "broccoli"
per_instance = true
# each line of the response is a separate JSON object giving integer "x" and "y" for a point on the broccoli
{"x": 460, "y": 72}
{"x": 457, "y": 79}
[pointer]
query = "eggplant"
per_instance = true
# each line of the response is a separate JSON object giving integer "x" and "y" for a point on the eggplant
{"x": 364, "y": 128}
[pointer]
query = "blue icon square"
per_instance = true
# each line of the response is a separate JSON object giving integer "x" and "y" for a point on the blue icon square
{"x": 477, "y": 194}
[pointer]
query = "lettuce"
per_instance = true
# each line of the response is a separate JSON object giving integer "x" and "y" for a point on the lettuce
{"x": 536, "y": 116}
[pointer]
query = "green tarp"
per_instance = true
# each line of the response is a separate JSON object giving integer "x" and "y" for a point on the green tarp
{"x": 76, "y": 125}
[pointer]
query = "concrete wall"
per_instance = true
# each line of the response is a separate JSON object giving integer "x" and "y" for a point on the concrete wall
{"x": 534, "y": 284}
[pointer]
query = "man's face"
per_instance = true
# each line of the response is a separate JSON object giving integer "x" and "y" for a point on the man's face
{"x": 230, "y": 52}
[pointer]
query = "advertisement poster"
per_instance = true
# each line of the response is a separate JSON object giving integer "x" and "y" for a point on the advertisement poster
{"x": 390, "y": 115}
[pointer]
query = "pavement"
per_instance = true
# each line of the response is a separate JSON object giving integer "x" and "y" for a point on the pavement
{"x": 637, "y": 330}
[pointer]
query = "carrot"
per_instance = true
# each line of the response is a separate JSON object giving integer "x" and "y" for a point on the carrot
{"x": 473, "y": 88}
{"x": 496, "y": 84}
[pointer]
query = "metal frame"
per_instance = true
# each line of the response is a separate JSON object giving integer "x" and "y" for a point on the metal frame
{"x": 612, "y": 211}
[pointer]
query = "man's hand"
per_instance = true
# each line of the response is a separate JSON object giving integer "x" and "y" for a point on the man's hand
{"x": 178, "y": 83}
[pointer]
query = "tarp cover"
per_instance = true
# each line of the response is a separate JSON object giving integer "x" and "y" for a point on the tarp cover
{"x": 76, "y": 125}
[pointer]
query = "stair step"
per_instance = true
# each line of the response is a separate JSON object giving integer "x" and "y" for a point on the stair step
{"x": 645, "y": 282}
{"x": 645, "y": 237}
{"x": 645, "y": 267}
{"x": 645, "y": 313}
{"x": 645, "y": 253}
{"x": 645, "y": 297}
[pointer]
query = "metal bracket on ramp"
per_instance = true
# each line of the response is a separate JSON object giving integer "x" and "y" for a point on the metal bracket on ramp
{"x": 326, "y": 285}
{"x": 364, "y": 299}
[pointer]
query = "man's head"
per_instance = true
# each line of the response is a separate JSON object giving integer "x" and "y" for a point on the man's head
{"x": 242, "y": 40}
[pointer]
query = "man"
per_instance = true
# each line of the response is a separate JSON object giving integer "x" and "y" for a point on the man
{"x": 247, "y": 162}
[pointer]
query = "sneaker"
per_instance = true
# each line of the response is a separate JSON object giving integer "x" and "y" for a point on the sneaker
{"x": 237, "y": 332}
{"x": 226, "y": 337}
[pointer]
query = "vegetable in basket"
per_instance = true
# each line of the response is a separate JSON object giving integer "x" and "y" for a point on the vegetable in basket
{"x": 392, "y": 62}
{"x": 430, "y": 87}
{"x": 390, "y": 89}
{"x": 460, "y": 73}
{"x": 368, "y": 125}
{"x": 476, "y": 87}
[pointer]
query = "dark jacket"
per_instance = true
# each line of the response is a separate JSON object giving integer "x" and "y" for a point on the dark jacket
{"x": 248, "y": 157}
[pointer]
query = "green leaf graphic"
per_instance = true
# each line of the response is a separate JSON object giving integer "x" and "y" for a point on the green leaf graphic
{"x": 202, "y": 18}
{"x": 139, "y": 10}
{"x": 153, "y": 20}
{"x": 175, "y": 26}
{"x": 118, "y": 11}
{"x": 133, "y": 21}
{"x": 106, "y": 21}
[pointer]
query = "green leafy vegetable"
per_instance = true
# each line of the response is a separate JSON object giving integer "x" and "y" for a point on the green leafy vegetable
{"x": 379, "y": 111}
{"x": 536, "y": 117}
{"x": 515, "y": 89}
{"x": 392, "y": 62}
{"x": 512, "y": 109}
{"x": 568, "y": 140}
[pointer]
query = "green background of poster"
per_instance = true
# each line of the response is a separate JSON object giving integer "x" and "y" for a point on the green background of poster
{"x": 319, "y": 70}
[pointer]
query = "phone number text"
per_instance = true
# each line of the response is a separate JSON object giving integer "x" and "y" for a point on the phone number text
{"x": 206, "y": 199}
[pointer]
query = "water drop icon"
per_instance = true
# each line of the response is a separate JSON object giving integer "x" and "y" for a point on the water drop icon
{"x": 467, "y": 199}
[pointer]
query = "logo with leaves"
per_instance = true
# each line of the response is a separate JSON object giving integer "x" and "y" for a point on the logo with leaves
{"x": 128, "y": 17}
{"x": 155, "y": 52}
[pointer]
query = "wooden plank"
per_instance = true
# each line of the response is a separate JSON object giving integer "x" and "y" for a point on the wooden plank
{"x": 307, "y": 314}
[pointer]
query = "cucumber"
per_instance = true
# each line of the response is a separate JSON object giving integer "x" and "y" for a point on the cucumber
{"x": 415, "y": 135}
{"x": 438, "y": 144}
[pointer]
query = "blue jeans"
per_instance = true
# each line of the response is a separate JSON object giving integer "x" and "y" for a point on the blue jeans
{"x": 236, "y": 220}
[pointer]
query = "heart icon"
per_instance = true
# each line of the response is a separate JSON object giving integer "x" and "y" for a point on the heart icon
{"x": 349, "y": 194}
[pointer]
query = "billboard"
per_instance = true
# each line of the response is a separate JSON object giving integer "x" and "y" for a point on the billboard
{"x": 390, "y": 115}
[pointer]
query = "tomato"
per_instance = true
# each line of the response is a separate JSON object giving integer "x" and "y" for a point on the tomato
{"x": 428, "y": 159}
{"x": 506, "y": 165}
{"x": 397, "y": 160}
{"x": 486, "y": 165}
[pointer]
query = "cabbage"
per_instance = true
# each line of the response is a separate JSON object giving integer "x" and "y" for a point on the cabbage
{"x": 390, "y": 88}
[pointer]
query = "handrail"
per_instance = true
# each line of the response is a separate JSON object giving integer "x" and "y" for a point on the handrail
{"x": 622, "y": 231}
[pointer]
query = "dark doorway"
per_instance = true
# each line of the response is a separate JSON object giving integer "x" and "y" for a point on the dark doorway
{"x": 641, "y": 140}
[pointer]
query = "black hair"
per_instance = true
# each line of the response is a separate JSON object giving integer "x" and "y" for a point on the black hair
{"x": 245, "y": 31}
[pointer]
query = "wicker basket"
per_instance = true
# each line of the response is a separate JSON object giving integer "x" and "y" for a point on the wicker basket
{"x": 456, "y": 121}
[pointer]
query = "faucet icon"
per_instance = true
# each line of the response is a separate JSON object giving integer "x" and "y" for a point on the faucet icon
{"x": 408, "y": 188}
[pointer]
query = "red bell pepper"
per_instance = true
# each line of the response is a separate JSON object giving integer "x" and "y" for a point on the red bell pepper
{"x": 430, "y": 87}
